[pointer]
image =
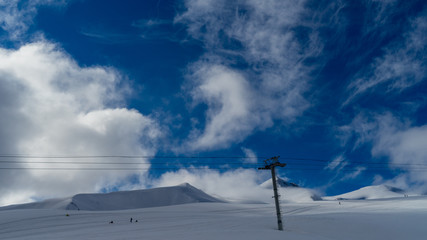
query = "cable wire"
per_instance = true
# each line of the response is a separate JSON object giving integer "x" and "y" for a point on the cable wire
{"x": 158, "y": 162}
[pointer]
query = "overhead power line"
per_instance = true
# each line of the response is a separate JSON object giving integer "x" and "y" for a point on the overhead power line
{"x": 126, "y": 163}
{"x": 152, "y": 162}
{"x": 122, "y": 156}
{"x": 113, "y": 162}
{"x": 113, "y": 169}
{"x": 290, "y": 160}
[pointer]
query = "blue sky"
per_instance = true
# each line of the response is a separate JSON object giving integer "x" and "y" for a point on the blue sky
{"x": 337, "y": 89}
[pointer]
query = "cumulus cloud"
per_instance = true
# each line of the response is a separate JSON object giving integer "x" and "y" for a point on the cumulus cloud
{"x": 235, "y": 185}
{"x": 50, "y": 106}
{"x": 407, "y": 148}
{"x": 253, "y": 71}
{"x": 240, "y": 185}
{"x": 397, "y": 139}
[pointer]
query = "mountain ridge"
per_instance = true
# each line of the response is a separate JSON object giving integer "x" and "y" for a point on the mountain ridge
{"x": 370, "y": 192}
{"x": 122, "y": 200}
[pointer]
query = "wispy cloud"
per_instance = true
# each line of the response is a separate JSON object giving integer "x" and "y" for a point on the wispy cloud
{"x": 343, "y": 170}
{"x": 356, "y": 173}
{"x": 230, "y": 116}
{"x": 400, "y": 67}
{"x": 250, "y": 155}
{"x": 16, "y": 16}
{"x": 107, "y": 37}
{"x": 148, "y": 23}
{"x": 256, "y": 46}
{"x": 159, "y": 29}
{"x": 337, "y": 164}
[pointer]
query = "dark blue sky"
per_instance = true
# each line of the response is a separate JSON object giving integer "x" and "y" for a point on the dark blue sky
{"x": 337, "y": 89}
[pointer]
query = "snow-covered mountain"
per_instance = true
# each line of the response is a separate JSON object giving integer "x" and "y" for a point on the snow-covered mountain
{"x": 205, "y": 217}
{"x": 370, "y": 192}
{"x": 291, "y": 192}
{"x": 280, "y": 183}
{"x": 165, "y": 196}
{"x": 391, "y": 219}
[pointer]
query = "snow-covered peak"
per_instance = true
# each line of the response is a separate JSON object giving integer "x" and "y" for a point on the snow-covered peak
{"x": 156, "y": 197}
{"x": 291, "y": 192}
{"x": 280, "y": 183}
{"x": 370, "y": 192}
{"x": 283, "y": 183}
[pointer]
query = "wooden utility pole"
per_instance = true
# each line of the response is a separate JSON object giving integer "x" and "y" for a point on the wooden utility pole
{"x": 271, "y": 163}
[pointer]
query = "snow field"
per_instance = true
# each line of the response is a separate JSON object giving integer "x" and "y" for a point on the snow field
{"x": 397, "y": 218}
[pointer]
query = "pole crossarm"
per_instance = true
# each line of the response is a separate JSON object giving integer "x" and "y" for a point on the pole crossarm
{"x": 271, "y": 163}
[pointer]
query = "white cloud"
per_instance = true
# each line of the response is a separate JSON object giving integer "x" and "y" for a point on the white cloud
{"x": 51, "y": 106}
{"x": 342, "y": 169}
{"x": 337, "y": 164}
{"x": 354, "y": 174}
{"x": 402, "y": 65}
{"x": 251, "y": 157}
{"x": 148, "y": 23}
{"x": 403, "y": 144}
{"x": 237, "y": 185}
{"x": 406, "y": 147}
{"x": 251, "y": 47}
{"x": 230, "y": 115}
{"x": 16, "y": 16}
{"x": 240, "y": 185}
{"x": 363, "y": 127}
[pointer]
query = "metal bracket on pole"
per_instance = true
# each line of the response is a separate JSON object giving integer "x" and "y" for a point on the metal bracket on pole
{"x": 270, "y": 164}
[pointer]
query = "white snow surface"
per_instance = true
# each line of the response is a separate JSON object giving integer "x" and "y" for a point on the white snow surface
{"x": 204, "y": 217}
{"x": 396, "y": 218}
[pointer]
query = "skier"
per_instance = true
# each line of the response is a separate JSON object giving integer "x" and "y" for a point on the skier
{"x": 131, "y": 219}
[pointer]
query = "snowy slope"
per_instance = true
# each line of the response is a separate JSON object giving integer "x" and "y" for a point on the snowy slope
{"x": 291, "y": 192}
{"x": 206, "y": 218}
{"x": 166, "y": 196}
{"x": 391, "y": 219}
{"x": 57, "y": 203}
{"x": 370, "y": 192}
